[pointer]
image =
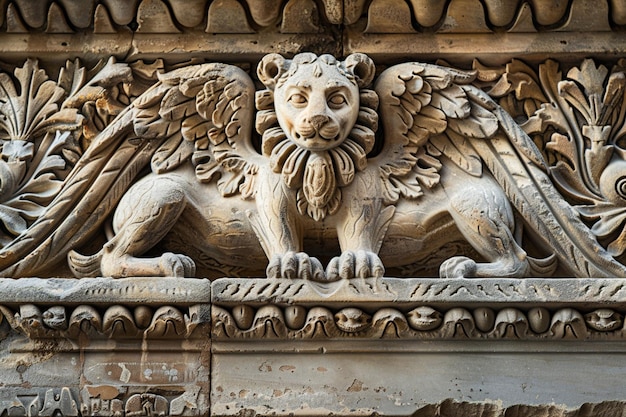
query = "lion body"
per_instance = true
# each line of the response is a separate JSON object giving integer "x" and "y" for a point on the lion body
{"x": 217, "y": 234}
{"x": 317, "y": 194}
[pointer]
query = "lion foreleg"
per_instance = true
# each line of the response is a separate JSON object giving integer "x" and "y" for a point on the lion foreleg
{"x": 275, "y": 224}
{"x": 145, "y": 215}
{"x": 485, "y": 218}
{"x": 361, "y": 228}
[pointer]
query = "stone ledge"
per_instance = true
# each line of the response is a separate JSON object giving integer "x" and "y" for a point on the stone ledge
{"x": 497, "y": 347}
{"x": 105, "y": 291}
{"x": 455, "y": 48}
{"x": 418, "y": 309}
{"x": 590, "y": 292}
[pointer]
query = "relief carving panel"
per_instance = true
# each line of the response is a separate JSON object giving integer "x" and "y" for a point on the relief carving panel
{"x": 272, "y": 207}
{"x": 447, "y": 164}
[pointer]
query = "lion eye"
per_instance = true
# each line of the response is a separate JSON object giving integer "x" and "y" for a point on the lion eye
{"x": 337, "y": 100}
{"x": 297, "y": 99}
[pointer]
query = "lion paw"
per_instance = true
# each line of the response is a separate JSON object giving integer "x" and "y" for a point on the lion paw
{"x": 177, "y": 265}
{"x": 458, "y": 267}
{"x": 360, "y": 264}
{"x": 295, "y": 265}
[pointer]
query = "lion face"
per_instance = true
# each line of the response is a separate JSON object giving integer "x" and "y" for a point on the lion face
{"x": 317, "y": 106}
{"x": 318, "y": 123}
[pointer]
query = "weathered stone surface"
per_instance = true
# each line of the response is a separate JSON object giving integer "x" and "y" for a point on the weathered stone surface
{"x": 506, "y": 160}
{"x": 418, "y": 309}
{"x": 402, "y": 383}
{"x": 104, "y": 347}
{"x": 398, "y": 291}
{"x": 101, "y": 291}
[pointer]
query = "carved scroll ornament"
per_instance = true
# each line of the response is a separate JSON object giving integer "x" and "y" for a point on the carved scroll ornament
{"x": 447, "y": 165}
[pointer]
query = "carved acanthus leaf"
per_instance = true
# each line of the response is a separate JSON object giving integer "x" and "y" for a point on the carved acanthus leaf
{"x": 35, "y": 108}
{"x": 578, "y": 120}
{"x": 38, "y": 146}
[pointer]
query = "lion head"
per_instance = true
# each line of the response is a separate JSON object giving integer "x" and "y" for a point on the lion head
{"x": 318, "y": 123}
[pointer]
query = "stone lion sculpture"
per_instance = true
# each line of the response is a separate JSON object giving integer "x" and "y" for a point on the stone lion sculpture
{"x": 448, "y": 164}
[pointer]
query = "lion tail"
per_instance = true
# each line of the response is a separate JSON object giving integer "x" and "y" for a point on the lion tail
{"x": 85, "y": 265}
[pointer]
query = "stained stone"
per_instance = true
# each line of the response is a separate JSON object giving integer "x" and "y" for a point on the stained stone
{"x": 337, "y": 207}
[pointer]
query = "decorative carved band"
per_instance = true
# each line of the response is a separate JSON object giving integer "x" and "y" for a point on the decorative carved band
{"x": 173, "y": 16}
{"x": 388, "y": 30}
{"x": 103, "y": 401}
{"x": 93, "y": 401}
{"x": 253, "y": 309}
{"x": 105, "y": 308}
{"x": 418, "y": 309}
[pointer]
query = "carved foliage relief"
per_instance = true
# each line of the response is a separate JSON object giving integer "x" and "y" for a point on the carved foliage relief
{"x": 293, "y": 186}
{"x": 576, "y": 117}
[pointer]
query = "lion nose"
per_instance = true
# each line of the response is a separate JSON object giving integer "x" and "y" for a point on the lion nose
{"x": 318, "y": 121}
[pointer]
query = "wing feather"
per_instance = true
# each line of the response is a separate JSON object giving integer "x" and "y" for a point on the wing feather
{"x": 419, "y": 102}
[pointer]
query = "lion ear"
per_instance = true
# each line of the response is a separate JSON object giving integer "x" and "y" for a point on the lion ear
{"x": 362, "y": 67}
{"x": 270, "y": 69}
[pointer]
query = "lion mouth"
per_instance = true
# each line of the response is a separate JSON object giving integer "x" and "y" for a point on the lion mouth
{"x": 317, "y": 140}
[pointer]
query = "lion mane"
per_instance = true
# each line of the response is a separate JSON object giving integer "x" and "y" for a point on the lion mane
{"x": 317, "y": 177}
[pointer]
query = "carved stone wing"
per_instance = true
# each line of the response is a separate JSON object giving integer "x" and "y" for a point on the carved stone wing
{"x": 515, "y": 162}
{"x": 417, "y": 103}
{"x": 202, "y": 113}
{"x": 430, "y": 111}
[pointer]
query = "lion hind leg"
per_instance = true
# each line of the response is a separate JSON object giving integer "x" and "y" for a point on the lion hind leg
{"x": 146, "y": 214}
{"x": 484, "y": 217}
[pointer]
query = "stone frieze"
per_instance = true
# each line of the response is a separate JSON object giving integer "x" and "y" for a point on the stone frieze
{"x": 179, "y": 144}
{"x": 329, "y": 161}
{"x": 101, "y": 400}
{"x": 386, "y": 30}
{"x": 105, "y": 308}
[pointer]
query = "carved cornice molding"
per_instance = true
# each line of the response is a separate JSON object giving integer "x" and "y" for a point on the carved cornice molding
{"x": 175, "y": 16}
{"x": 297, "y": 310}
{"x": 386, "y": 29}
{"x": 138, "y": 309}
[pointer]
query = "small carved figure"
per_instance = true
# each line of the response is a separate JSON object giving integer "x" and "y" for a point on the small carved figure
{"x": 449, "y": 165}
{"x": 604, "y": 320}
{"x": 424, "y": 318}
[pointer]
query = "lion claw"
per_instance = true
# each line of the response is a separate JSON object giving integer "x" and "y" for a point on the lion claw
{"x": 458, "y": 267}
{"x": 360, "y": 264}
{"x": 294, "y": 265}
{"x": 177, "y": 265}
